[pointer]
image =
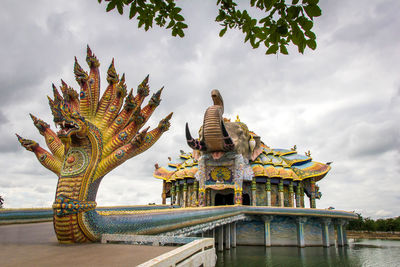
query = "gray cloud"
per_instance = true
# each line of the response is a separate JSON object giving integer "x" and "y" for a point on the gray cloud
{"x": 340, "y": 101}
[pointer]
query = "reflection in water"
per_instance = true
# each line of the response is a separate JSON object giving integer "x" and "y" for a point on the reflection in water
{"x": 359, "y": 253}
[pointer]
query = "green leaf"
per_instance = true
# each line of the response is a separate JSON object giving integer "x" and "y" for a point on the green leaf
{"x": 140, "y": 23}
{"x": 306, "y": 24}
{"x": 223, "y": 31}
{"x": 110, "y": 6}
{"x": 301, "y": 46}
{"x": 294, "y": 2}
{"x": 272, "y": 49}
{"x": 311, "y": 44}
{"x": 176, "y": 10}
{"x": 221, "y": 16}
{"x": 133, "y": 11}
{"x": 310, "y": 34}
{"x": 313, "y": 11}
{"x": 180, "y": 33}
{"x": 265, "y": 20}
{"x": 247, "y": 37}
{"x": 179, "y": 17}
{"x": 282, "y": 29}
{"x": 170, "y": 24}
{"x": 293, "y": 12}
{"x": 182, "y": 25}
{"x": 120, "y": 8}
{"x": 283, "y": 50}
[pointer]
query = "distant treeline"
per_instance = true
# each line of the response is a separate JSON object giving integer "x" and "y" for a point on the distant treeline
{"x": 368, "y": 224}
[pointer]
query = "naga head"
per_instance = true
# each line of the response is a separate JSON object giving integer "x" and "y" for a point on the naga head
{"x": 29, "y": 145}
{"x": 165, "y": 123}
{"x": 72, "y": 125}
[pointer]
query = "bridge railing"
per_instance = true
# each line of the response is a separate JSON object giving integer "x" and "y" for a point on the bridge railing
{"x": 199, "y": 252}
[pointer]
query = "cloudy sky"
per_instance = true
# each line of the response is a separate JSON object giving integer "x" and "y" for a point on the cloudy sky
{"x": 341, "y": 102}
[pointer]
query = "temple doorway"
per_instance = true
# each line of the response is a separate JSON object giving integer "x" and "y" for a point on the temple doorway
{"x": 224, "y": 197}
{"x": 246, "y": 199}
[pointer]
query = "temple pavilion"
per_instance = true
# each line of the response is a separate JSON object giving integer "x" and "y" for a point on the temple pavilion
{"x": 277, "y": 177}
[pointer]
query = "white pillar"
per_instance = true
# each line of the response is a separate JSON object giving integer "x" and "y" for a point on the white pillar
{"x": 220, "y": 233}
{"x": 267, "y": 229}
{"x": 227, "y": 236}
{"x": 233, "y": 234}
{"x": 300, "y": 231}
{"x": 325, "y": 232}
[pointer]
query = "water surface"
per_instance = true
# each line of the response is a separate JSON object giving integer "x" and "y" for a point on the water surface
{"x": 361, "y": 252}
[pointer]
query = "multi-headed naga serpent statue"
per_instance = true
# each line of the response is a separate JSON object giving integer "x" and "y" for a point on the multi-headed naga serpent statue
{"x": 95, "y": 136}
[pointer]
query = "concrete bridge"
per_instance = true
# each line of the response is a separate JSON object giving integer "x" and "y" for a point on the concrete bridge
{"x": 229, "y": 225}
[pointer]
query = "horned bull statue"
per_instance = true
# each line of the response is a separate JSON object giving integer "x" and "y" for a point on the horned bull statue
{"x": 223, "y": 147}
{"x": 96, "y": 135}
{"x": 219, "y": 135}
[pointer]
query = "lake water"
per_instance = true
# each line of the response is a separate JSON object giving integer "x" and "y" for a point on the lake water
{"x": 361, "y": 252}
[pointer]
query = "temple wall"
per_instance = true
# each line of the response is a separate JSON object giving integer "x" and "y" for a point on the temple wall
{"x": 332, "y": 235}
{"x": 283, "y": 232}
{"x": 313, "y": 232}
{"x": 274, "y": 195}
{"x": 286, "y": 196}
{"x": 261, "y": 195}
{"x": 250, "y": 233}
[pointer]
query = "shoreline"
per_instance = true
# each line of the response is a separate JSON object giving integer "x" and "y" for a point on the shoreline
{"x": 373, "y": 235}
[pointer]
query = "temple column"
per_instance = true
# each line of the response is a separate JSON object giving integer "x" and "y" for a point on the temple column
{"x": 172, "y": 193}
{"x": 178, "y": 195}
{"x": 195, "y": 193}
{"x": 312, "y": 198}
{"x": 281, "y": 200}
{"x": 220, "y": 234}
{"x": 254, "y": 192}
{"x": 291, "y": 195}
{"x": 300, "y": 231}
{"x": 238, "y": 194}
{"x": 164, "y": 193}
{"x": 202, "y": 197}
{"x": 184, "y": 194}
{"x": 325, "y": 231}
{"x": 267, "y": 229}
{"x": 208, "y": 197}
{"x": 268, "y": 189}
{"x": 233, "y": 234}
{"x": 302, "y": 196}
{"x": 227, "y": 228}
{"x": 298, "y": 193}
